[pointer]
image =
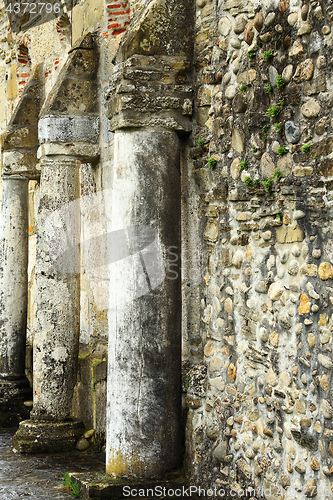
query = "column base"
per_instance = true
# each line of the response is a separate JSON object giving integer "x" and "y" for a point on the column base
{"x": 98, "y": 485}
{"x": 47, "y": 437}
{"x": 13, "y": 393}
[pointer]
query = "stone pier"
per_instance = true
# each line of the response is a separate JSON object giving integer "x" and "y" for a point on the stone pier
{"x": 144, "y": 405}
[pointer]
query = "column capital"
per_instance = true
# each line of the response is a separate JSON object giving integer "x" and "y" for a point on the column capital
{"x": 149, "y": 91}
{"x": 152, "y": 83}
{"x": 85, "y": 152}
{"x": 20, "y": 140}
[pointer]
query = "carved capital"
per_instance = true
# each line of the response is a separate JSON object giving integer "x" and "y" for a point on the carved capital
{"x": 147, "y": 91}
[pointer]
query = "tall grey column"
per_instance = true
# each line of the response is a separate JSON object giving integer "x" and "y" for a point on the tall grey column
{"x": 13, "y": 276}
{"x": 57, "y": 324}
{"x": 57, "y": 321}
{"x": 143, "y": 386}
{"x": 149, "y": 105}
{"x": 14, "y": 386}
{"x": 19, "y": 160}
{"x": 143, "y": 416}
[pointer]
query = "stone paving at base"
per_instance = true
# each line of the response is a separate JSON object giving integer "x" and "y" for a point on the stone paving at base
{"x": 40, "y": 477}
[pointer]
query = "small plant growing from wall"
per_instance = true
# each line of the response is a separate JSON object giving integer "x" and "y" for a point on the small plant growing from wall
{"x": 274, "y": 111}
{"x": 250, "y": 54}
{"x": 278, "y": 127}
{"x": 268, "y": 185}
{"x": 248, "y": 181}
{"x": 200, "y": 143}
{"x": 282, "y": 150}
{"x": 264, "y": 131}
{"x": 268, "y": 89}
{"x": 306, "y": 148}
{"x": 268, "y": 54}
{"x": 243, "y": 88}
{"x": 277, "y": 174}
{"x": 315, "y": 157}
{"x": 212, "y": 162}
{"x": 243, "y": 165}
{"x": 69, "y": 485}
{"x": 279, "y": 82}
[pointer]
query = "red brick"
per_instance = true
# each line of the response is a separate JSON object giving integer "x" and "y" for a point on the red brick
{"x": 119, "y": 31}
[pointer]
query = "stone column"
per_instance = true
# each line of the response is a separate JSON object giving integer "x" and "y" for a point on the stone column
{"x": 143, "y": 416}
{"x": 19, "y": 160}
{"x": 149, "y": 104}
{"x": 14, "y": 386}
{"x": 56, "y": 331}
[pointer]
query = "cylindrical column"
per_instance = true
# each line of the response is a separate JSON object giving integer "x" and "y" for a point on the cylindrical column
{"x": 143, "y": 416}
{"x": 57, "y": 322}
{"x": 13, "y": 277}
{"x": 57, "y": 316}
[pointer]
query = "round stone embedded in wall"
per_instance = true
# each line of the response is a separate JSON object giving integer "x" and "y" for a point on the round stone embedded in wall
{"x": 293, "y": 133}
{"x": 240, "y": 23}
{"x": 311, "y": 108}
{"x": 224, "y": 26}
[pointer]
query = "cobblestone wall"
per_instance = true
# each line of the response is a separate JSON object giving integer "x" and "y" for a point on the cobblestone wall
{"x": 259, "y": 390}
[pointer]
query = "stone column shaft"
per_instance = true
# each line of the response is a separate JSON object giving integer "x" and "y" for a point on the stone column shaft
{"x": 143, "y": 416}
{"x": 13, "y": 277}
{"x": 56, "y": 332}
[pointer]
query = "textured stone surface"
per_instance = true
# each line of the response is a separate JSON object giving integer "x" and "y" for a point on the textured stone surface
{"x": 151, "y": 311}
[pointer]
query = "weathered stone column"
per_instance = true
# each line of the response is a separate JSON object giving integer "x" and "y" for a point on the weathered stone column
{"x": 13, "y": 276}
{"x": 14, "y": 385}
{"x": 144, "y": 405}
{"x": 68, "y": 132}
{"x": 19, "y": 164}
{"x": 143, "y": 419}
{"x": 56, "y": 340}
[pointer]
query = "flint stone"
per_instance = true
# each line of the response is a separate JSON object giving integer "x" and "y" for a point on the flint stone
{"x": 82, "y": 444}
{"x": 270, "y": 18}
{"x": 275, "y": 291}
{"x": 272, "y": 73}
{"x": 325, "y": 361}
{"x": 304, "y": 440}
{"x": 220, "y": 451}
{"x": 287, "y": 73}
{"x": 293, "y": 133}
{"x": 258, "y": 21}
{"x": 224, "y": 26}
{"x": 326, "y": 409}
{"x": 240, "y": 23}
{"x": 304, "y": 71}
{"x": 311, "y": 108}
{"x": 305, "y": 29}
{"x": 248, "y": 33}
{"x": 244, "y": 467}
